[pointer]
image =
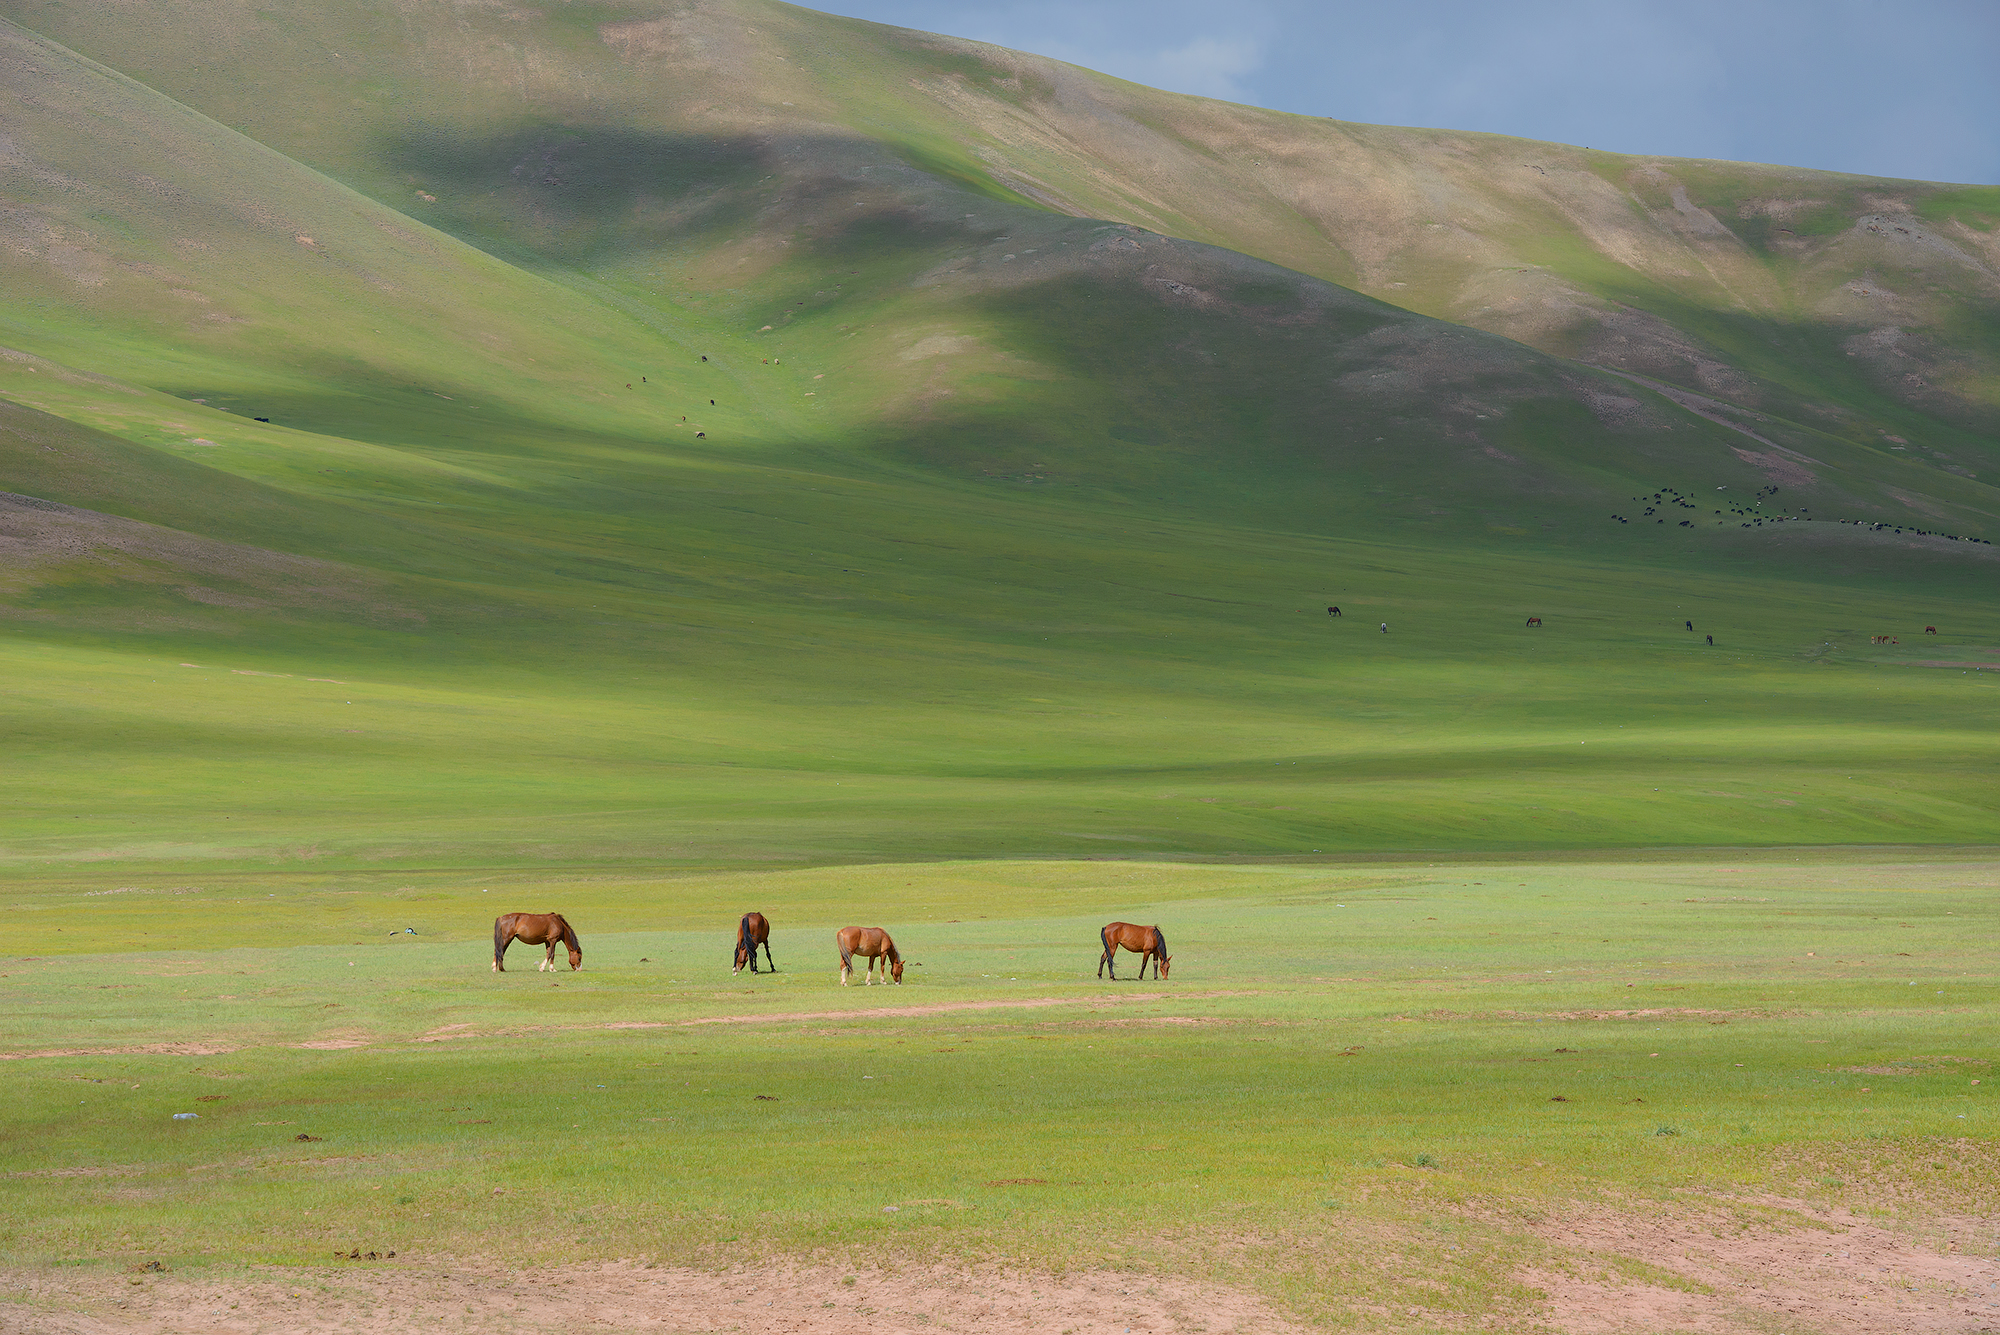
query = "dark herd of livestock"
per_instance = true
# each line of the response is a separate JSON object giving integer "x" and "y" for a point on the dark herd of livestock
{"x": 872, "y": 944}
{"x": 1752, "y": 517}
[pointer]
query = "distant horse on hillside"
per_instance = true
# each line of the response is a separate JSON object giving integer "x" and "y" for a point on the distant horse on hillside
{"x": 535, "y": 929}
{"x": 1534, "y": 621}
{"x": 752, "y": 932}
{"x": 1333, "y": 611}
{"x": 872, "y": 943}
{"x": 1145, "y": 942}
{"x": 1930, "y": 630}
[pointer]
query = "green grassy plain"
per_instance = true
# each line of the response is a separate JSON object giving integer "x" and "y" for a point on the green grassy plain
{"x": 664, "y": 512}
{"x": 1441, "y": 1054}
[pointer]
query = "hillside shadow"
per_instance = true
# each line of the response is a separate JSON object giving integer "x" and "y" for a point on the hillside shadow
{"x": 584, "y": 195}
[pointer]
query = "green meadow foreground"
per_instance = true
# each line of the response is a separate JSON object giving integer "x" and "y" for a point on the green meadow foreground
{"x": 1399, "y": 1095}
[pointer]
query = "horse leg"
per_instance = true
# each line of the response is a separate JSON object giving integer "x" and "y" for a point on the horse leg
{"x": 549, "y": 957}
{"x": 767, "y": 957}
{"x": 500, "y": 953}
{"x": 846, "y": 967}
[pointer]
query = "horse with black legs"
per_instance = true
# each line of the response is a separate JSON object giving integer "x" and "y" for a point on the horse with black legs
{"x": 1145, "y": 942}
{"x": 535, "y": 929}
{"x": 752, "y": 932}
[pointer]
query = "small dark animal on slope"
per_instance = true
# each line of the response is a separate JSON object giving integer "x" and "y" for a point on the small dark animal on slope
{"x": 1534, "y": 621}
{"x": 1930, "y": 630}
{"x": 1333, "y": 611}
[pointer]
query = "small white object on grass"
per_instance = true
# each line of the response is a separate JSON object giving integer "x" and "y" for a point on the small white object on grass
{"x": 186, "y": 1117}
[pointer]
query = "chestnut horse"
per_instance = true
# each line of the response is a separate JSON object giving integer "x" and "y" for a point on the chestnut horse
{"x": 1145, "y": 942}
{"x": 872, "y": 943}
{"x": 535, "y": 929}
{"x": 752, "y": 932}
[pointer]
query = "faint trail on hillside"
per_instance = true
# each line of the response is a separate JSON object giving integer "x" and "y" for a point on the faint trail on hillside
{"x": 1702, "y": 406}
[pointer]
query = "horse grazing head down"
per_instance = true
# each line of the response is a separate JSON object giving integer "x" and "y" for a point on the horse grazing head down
{"x": 895, "y": 966}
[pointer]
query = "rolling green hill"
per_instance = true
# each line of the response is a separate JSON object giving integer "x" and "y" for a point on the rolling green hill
{"x": 586, "y": 434}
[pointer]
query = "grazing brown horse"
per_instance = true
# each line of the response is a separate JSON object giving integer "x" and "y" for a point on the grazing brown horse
{"x": 1534, "y": 621}
{"x": 1145, "y": 942}
{"x": 535, "y": 929}
{"x": 752, "y": 932}
{"x": 872, "y": 943}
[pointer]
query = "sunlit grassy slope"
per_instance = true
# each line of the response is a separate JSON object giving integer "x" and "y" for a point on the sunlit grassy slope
{"x": 587, "y": 134}
{"x": 679, "y": 476}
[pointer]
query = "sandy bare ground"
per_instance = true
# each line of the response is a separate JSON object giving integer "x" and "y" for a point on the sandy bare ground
{"x": 133, "y": 1050}
{"x": 374, "y": 1300}
{"x": 1765, "y": 1265}
{"x": 1740, "y": 1266}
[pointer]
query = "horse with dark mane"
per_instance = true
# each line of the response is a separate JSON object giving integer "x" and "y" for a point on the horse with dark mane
{"x": 1145, "y": 942}
{"x": 535, "y": 929}
{"x": 752, "y": 932}
{"x": 871, "y": 943}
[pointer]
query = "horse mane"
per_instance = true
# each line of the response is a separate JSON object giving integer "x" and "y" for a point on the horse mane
{"x": 894, "y": 958}
{"x": 569, "y": 934}
{"x": 1160, "y": 940}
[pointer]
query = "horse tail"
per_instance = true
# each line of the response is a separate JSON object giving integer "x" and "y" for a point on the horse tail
{"x": 1159, "y": 944}
{"x": 500, "y": 925}
{"x": 744, "y": 941}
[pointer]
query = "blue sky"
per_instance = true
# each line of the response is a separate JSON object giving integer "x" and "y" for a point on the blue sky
{"x": 1910, "y": 88}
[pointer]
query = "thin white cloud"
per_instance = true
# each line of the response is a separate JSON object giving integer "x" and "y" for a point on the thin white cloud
{"x": 1208, "y": 66}
{"x": 1897, "y": 87}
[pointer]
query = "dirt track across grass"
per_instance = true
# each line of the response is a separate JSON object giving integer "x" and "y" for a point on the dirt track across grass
{"x": 380, "y": 1299}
